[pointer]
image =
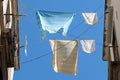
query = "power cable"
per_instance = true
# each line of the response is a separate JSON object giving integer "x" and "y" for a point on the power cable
{"x": 51, "y": 51}
{"x": 57, "y": 48}
{"x": 77, "y": 24}
{"x": 33, "y": 59}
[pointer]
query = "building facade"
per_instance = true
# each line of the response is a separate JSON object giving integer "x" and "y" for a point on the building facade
{"x": 112, "y": 39}
{"x": 9, "y": 39}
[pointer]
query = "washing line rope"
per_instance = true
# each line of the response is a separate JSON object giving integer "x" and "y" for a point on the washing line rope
{"x": 36, "y": 58}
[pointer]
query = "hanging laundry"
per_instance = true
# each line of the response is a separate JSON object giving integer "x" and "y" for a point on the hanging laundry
{"x": 5, "y": 5}
{"x": 88, "y": 46}
{"x": 90, "y": 18}
{"x": 25, "y": 45}
{"x": 7, "y": 11}
{"x": 54, "y": 21}
{"x": 16, "y": 43}
{"x": 65, "y": 56}
{"x": 10, "y": 73}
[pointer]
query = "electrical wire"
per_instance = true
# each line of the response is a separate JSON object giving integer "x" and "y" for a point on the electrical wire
{"x": 51, "y": 51}
{"x": 76, "y": 26}
{"x": 36, "y": 58}
{"x": 33, "y": 59}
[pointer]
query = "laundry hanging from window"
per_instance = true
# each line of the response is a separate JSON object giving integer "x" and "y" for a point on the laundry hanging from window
{"x": 52, "y": 22}
{"x": 25, "y": 45}
{"x": 7, "y": 11}
{"x": 65, "y": 56}
{"x": 90, "y": 18}
{"x": 88, "y": 46}
{"x": 10, "y": 73}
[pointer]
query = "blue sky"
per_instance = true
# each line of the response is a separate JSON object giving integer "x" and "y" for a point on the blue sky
{"x": 90, "y": 67}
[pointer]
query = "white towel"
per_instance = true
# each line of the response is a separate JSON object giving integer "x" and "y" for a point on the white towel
{"x": 90, "y": 18}
{"x": 88, "y": 46}
{"x": 65, "y": 56}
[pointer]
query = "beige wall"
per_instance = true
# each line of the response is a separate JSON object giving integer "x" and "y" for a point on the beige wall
{"x": 116, "y": 18}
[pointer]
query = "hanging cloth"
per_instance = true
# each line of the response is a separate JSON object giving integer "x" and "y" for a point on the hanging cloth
{"x": 10, "y": 73}
{"x": 5, "y": 5}
{"x": 25, "y": 45}
{"x": 54, "y": 21}
{"x": 65, "y": 56}
{"x": 7, "y": 11}
{"x": 88, "y": 46}
{"x": 90, "y": 18}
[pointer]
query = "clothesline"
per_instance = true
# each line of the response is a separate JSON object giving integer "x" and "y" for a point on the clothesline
{"x": 45, "y": 18}
{"x": 34, "y": 10}
{"x": 36, "y": 58}
{"x": 33, "y": 59}
{"x": 74, "y": 28}
{"x": 50, "y": 51}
